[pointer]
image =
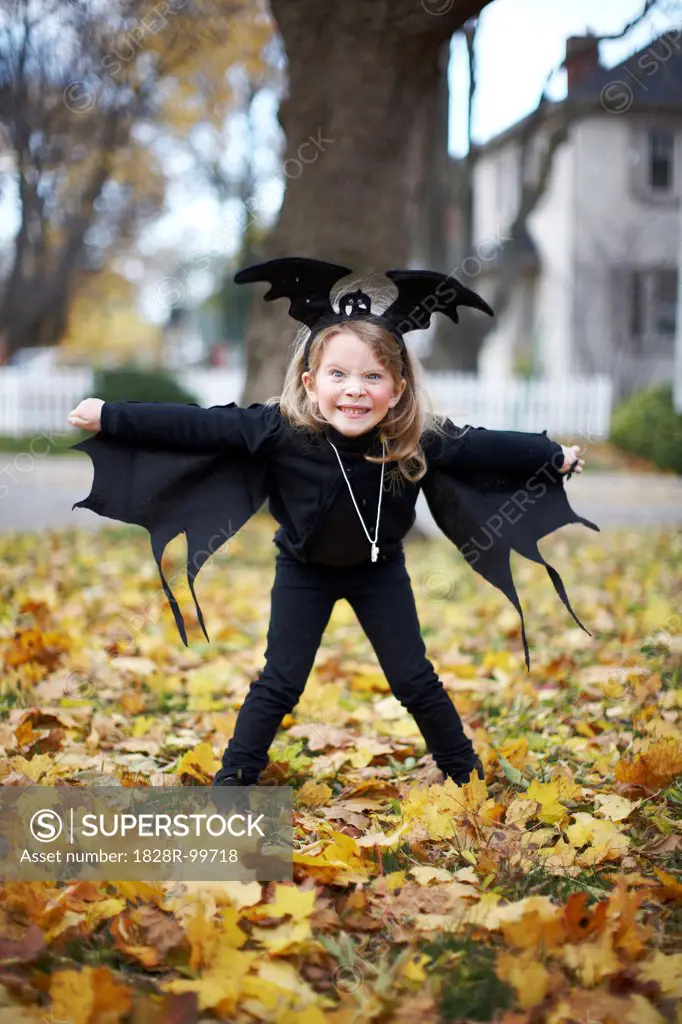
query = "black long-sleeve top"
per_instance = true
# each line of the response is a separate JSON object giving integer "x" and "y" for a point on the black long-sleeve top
{"x": 307, "y": 493}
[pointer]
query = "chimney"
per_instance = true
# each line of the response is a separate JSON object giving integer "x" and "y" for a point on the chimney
{"x": 581, "y": 60}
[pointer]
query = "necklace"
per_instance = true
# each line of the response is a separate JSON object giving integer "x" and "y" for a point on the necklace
{"x": 375, "y": 547}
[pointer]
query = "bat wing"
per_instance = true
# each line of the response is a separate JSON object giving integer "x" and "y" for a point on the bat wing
{"x": 487, "y": 520}
{"x": 305, "y": 282}
{"x": 423, "y": 292}
{"x": 208, "y": 497}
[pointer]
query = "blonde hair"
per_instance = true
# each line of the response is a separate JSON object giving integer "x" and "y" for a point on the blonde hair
{"x": 404, "y": 424}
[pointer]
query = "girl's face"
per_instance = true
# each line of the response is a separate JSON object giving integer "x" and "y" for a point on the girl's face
{"x": 353, "y": 390}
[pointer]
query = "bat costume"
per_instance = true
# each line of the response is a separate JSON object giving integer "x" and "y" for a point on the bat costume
{"x": 176, "y": 468}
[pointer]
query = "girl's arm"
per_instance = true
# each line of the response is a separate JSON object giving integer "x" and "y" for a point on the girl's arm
{"x": 506, "y": 452}
{"x": 172, "y": 425}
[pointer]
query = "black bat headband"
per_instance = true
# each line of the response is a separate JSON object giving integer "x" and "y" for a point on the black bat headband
{"x": 307, "y": 283}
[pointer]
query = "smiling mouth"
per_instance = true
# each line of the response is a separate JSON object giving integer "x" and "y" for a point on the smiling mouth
{"x": 351, "y": 410}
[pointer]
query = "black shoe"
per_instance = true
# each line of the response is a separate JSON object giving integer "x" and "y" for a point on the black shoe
{"x": 236, "y": 778}
{"x": 461, "y": 777}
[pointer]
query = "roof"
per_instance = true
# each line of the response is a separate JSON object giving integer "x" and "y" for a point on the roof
{"x": 527, "y": 250}
{"x": 648, "y": 81}
{"x": 652, "y": 77}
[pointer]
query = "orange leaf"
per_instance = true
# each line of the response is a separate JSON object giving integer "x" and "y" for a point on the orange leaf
{"x": 655, "y": 768}
{"x": 89, "y": 996}
{"x": 581, "y": 921}
{"x": 146, "y": 934}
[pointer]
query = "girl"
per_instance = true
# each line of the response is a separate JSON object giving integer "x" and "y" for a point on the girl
{"x": 346, "y": 446}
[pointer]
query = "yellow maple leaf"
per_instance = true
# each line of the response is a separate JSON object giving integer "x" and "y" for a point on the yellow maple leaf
{"x": 534, "y": 931}
{"x": 89, "y": 996}
{"x": 360, "y": 758}
{"x": 313, "y": 794}
{"x": 395, "y": 880}
{"x": 260, "y": 998}
{"x": 560, "y": 856}
{"x": 401, "y": 728}
{"x": 548, "y": 795}
{"x": 289, "y": 899}
{"x": 285, "y": 938}
{"x": 471, "y": 794}
{"x": 219, "y": 988}
{"x": 285, "y": 976}
{"x": 498, "y": 659}
{"x": 606, "y": 839}
{"x": 242, "y": 894}
{"x": 520, "y": 810}
{"x": 139, "y": 892}
{"x": 537, "y": 836}
{"x": 641, "y": 1011}
{"x": 424, "y": 873}
{"x": 655, "y": 611}
{"x": 208, "y": 937}
{"x": 666, "y": 971}
{"x": 413, "y": 969}
{"x": 143, "y": 724}
{"x": 592, "y": 961}
{"x": 611, "y": 849}
{"x": 515, "y": 750}
{"x": 200, "y": 763}
{"x": 613, "y": 807}
{"x": 671, "y": 889}
{"x": 436, "y": 808}
{"x": 527, "y": 976}
{"x": 41, "y": 768}
{"x": 368, "y": 680}
{"x": 102, "y": 910}
{"x": 214, "y": 990}
{"x": 380, "y": 839}
{"x": 71, "y": 994}
{"x": 343, "y": 847}
{"x": 489, "y": 913}
{"x": 341, "y": 860}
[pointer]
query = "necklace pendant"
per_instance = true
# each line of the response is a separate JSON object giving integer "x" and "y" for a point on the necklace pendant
{"x": 375, "y": 552}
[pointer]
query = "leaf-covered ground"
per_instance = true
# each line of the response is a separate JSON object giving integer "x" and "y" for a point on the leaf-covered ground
{"x": 551, "y": 892}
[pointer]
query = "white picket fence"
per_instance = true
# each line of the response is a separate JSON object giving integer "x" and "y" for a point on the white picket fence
{"x": 32, "y": 403}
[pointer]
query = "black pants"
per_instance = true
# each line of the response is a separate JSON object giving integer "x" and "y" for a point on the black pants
{"x": 302, "y": 600}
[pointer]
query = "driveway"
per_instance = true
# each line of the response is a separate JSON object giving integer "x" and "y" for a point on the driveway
{"x": 38, "y": 492}
{"x": 611, "y": 499}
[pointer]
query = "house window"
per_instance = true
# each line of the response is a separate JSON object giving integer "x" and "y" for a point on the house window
{"x": 636, "y": 289}
{"x": 665, "y": 302}
{"x": 661, "y": 160}
{"x": 652, "y": 309}
{"x": 506, "y": 184}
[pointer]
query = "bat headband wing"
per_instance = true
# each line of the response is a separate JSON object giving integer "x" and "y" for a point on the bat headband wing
{"x": 307, "y": 283}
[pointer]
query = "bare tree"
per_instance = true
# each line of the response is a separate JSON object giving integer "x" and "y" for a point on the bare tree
{"x": 81, "y": 85}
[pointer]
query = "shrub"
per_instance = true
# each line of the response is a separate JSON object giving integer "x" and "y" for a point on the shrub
{"x": 135, "y": 384}
{"x": 646, "y": 424}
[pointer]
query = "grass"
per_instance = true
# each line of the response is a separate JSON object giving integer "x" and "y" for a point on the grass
{"x": 599, "y": 457}
{"x": 470, "y": 988}
{"x": 43, "y": 442}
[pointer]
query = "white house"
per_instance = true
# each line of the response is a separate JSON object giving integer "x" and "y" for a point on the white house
{"x": 598, "y": 292}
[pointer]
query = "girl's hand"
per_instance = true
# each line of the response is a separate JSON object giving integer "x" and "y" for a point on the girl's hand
{"x": 87, "y": 414}
{"x": 572, "y": 460}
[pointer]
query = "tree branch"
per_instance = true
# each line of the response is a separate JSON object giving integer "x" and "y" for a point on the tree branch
{"x": 509, "y": 265}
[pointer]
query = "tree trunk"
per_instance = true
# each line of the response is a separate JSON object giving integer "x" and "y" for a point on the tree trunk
{"x": 363, "y": 88}
{"x": 456, "y": 347}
